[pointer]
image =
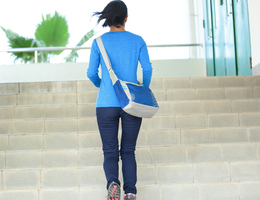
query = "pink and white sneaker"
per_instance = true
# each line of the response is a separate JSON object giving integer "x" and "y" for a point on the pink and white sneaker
{"x": 129, "y": 196}
{"x": 114, "y": 191}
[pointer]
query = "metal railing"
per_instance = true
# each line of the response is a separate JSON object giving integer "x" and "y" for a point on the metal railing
{"x": 37, "y": 49}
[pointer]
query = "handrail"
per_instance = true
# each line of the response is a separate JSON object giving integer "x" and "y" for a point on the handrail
{"x": 31, "y": 49}
{"x": 36, "y": 49}
{"x": 176, "y": 45}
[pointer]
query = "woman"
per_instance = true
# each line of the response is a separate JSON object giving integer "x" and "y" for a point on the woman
{"x": 124, "y": 49}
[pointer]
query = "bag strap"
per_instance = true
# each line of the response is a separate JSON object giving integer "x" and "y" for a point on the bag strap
{"x": 104, "y": 53}
{"x": 106, "y": 59}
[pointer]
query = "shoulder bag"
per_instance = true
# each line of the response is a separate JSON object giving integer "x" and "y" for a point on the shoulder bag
{"x": 134, "y": 99}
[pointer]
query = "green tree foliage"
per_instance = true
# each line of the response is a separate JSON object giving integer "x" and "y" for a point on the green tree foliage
{"x": 53, "y": 32}
{"x": 17, "y": 41}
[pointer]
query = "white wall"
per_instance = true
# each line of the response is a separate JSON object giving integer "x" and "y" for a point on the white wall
{"x": 77, "y": 71}
{"x": 254, "y": 16}
{"x": 196, "y": 28}
{"x": 177, "y": 68}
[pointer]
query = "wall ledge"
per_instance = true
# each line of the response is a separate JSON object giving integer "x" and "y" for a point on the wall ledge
{"x": 77, "y": 71}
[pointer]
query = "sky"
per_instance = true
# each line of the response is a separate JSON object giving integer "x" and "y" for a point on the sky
{"x": 158, "y": 22}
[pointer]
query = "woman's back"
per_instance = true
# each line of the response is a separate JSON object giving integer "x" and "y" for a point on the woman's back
{"x": 124, "y": 49}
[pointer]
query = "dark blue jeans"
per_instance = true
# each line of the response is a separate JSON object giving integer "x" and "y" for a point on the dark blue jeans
{"x": 108, "y": 122}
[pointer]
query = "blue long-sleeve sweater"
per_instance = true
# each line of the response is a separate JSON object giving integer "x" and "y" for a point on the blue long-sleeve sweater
{"x": 124, "y": 49}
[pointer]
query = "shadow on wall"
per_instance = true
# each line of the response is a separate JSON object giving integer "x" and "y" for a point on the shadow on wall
{"x": 256, "y": 70}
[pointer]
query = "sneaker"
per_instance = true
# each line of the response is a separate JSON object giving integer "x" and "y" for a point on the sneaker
{"x": 113, "y": 191}
{"x": 129, "y": 196}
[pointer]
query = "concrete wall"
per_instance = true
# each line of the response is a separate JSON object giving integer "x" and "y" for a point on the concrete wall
{"x": 77, "y": 71}
{"x": 177, "y": 68}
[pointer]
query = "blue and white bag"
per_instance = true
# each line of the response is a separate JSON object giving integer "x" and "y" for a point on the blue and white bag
{"x": 135, "y": 99}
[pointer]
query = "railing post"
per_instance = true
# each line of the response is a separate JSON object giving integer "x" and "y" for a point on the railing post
{"x": 36, "y": 56}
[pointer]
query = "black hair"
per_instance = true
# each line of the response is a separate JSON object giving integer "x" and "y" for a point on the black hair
{"x": 114, "y": 14}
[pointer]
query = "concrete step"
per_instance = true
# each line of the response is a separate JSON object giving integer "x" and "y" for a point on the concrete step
{"x": 202, "y": 176}
{"x": 46, "y": 87}
{"x": 166, "y": 108}
{"x": 146, "y": 138}
{"x": 154, "y": 155}
{"x": 157, "y": 83}
{"x": 184, "y": 94}
{"x": 89, "y": 124}
{"x": 208, "y": 93}
{"x": 194, "y": 191}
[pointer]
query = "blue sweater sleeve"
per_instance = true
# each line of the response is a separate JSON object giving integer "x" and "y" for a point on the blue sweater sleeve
{"x": 92, "y": 72}
{"x": 145, "y": 65}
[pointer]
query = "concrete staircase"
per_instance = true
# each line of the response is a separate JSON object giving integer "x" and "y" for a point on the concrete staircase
{"x": 203, "y": 144}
